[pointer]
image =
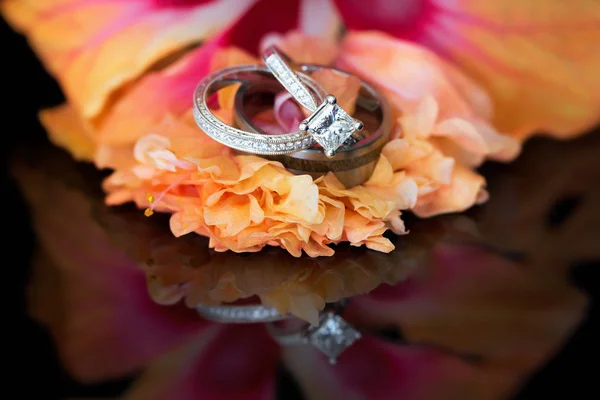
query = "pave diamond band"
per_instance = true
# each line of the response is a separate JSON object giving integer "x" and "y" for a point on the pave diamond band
{"x": 238, "y": 139}
{"x": 279, "y": 64}
{"x": 240, "y": 314}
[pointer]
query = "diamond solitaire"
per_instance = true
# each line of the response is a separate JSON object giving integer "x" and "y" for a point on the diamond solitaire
{"x": 332, "y": 336}
{"x": 330, "y": 125}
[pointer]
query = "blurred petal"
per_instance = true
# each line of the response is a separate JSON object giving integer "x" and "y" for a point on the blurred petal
{"x": 319, "y": 18}
{"x": 471, "y": 301}
{"x": 304, "y": 48}
{"x": 230, "y": 362}
{"x": 102, "y": 319}
{"x": 95, "y": 47}
{"x": 167, "y": 92}
{"x": 344, "y": 88}
{"x": 373, "y": 369}
{"x": 409, "y": 73}
{"x": 534, "y": 57}
{"x": 66, "y": 130}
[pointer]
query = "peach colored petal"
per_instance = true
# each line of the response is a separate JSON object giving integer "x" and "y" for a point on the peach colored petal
{"x": 533, "y": 57}
{"x": 421, "y": 122}
{"x": 533, "y": 60}
{"x": 344, "y": 88}
{"x": 465, "y": 189}
{"x": 401, "y": 153}
{"x": 394, "y": 186}
{"x": 159, "y": 93}
{"x": 408, "y": 73}
{"x": 304, "y": 48}
{"x": 65, "y": 129}
{"x": 362, "y": 231}
{"x": 95, "y": 47}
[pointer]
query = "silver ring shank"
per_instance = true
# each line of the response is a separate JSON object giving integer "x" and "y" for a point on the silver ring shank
{"x": 279, "y": 65}
{"x": 240, "y": 314}
{"x": 352, "y": 165}
{"x": 238, "y": 139}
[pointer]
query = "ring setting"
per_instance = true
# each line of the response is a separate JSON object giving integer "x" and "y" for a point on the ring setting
{"x": 332, "y": 336}
{"x": 330, "y": 125}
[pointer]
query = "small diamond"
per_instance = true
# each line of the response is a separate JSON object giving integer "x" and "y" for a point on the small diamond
{"x": 332, "y": 336}
{"x": 330, "y": 126}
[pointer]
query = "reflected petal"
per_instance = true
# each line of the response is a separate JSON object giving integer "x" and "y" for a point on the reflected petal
{"x": 373, "y": 369}
{"x": 480, "y": 306}
{"x": 100, "y": 315}
{"x": 232, "y": 362}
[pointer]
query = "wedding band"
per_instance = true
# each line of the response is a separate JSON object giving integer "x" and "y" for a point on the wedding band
{"x": 238, "y": 139}
{"x": 240, "y": 314}
{"x": 352, "y": 164}
{"x": 332, "y": 336}
{"x": 329, "y": 124}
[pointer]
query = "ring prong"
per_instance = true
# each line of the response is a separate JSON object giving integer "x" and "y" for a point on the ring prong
{"x": 358, "y": 126}
{"x": 331, "y": 99}
{"x": 303, "y": 126}
{"x": 329, "y": 153}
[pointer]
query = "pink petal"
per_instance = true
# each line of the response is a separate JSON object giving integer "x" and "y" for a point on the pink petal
{"x": 103, "y": 321}
{"x": 373, "y": 369}
{"x": 233, "y": 362}
{"x": 474, "y": 302}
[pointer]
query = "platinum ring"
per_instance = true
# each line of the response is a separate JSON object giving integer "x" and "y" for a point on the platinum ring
{"x": 238, "y": 139}
{"x": 332, "y": 336}
{"x": 244, "y": 314}
{"x": 328, "y": 124}
{"x": 354, "y": 162}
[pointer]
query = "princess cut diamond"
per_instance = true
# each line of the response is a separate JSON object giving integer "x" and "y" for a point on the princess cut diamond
{"x": 332, "y": 336}
{"x": 330, "y": 126}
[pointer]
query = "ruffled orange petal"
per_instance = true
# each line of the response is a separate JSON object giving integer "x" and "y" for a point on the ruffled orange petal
{"x": 465, "y": 189}
{"x": 95, "y": 47}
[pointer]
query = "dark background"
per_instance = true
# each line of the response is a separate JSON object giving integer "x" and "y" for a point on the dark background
{"x": 35, "y": 372}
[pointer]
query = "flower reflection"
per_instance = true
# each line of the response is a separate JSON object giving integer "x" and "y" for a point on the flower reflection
{"x": 473, "y": 322}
